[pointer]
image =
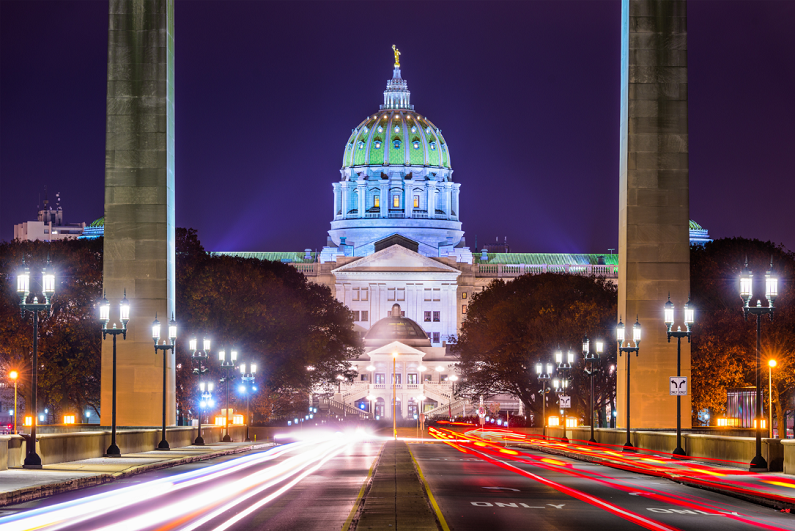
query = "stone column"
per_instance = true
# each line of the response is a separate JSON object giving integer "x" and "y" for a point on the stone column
{"x": 336, "y": 187}
{"x": 431, "y": 199}
{"x": 654, "y": 248}
{"x": 361, "y": 187}
{"x": 447, "y": 196}
{"x": 456, "y": 203}
{"x": 139, "y": 206}
{"x": 345, "y": 200}
{"x": 384, "y": 190}
{"x": 408, "y": 194}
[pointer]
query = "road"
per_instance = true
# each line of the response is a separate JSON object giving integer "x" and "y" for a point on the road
{"x": 480, "y": 487}
{"x": 310, "y": 485}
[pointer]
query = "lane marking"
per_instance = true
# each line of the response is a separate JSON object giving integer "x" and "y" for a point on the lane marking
{"x": 355, "y": 507}
{"x": 435, "y": 505}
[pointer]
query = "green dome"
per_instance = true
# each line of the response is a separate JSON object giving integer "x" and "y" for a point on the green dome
{"x": 98, "y": 222}
{"x": 396, "y": 137}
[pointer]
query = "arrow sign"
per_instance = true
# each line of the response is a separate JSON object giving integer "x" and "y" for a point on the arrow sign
{"x": 565, "y": 402}
{"x": 678, "y": 385}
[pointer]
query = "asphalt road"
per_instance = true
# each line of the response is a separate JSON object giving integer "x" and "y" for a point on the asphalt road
{"x": 485, "y": 489}
{"x": 310, "y": 487}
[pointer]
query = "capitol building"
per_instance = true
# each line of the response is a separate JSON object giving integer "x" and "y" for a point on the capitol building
{"x": 396, "y": 256}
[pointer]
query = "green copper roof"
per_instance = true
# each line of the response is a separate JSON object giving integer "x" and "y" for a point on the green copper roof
{"x": 546, "y": 258}
{"x": 695, "y": 226}
{"x": 98, "y": 222}
{"x": 372, "y": 143}
{"x": 273, "y": 257}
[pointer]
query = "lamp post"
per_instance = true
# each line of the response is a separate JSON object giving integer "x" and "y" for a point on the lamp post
{"x": 454, "y": 379}
{"x": 198, "y": 359}
{"x": 668, "y": 311}
{"x": 394, "y": 394}
{"x": 592, "y": 360}
{"x": 206, "y": 401}
{"x": 420, "y": 415}
{"x": 248, "y": 379}
{"x": 32, "y": 459}
{"x": 370, "y": 399}
{"x": 124, "y": 317}
{"x": 543, "y": 377}
{"x": 564, "y": 368}
{"x": 746, "y": 292}
{"x": 14, "y": 375}
{"x": 770, "y": 365}
{"x": 226, "y": 365}
{"x": 636, "y": 332}
{"x": 165, "y": 347}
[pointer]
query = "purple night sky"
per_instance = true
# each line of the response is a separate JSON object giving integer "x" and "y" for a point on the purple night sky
{"x": 526, "y": 94}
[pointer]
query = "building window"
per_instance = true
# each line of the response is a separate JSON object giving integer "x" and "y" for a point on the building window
{"x": 355, "y": 294}
{"x": 435, "y": 337}
{"x": 396, "y": 201}
{"x": 427, "y": 294}
{"x": 380, "y": 378}
{"x": 390, "y": 294}
{"x": 464, "y": 295}
{"x": 416, "y": 201}
{"x": 365, "y": 316}
{"x": 437, "y": 317}
{"x": 365, "y": 295}
{"x": 464, "y": 309}
{"x": 401, "y": 294}
{"x": 411, "y": 379}
{"x": 427, "y": 377}
{"x": 437, "y": 294}
{"x": 364, "y": 377}
{"x": 355, "y": 315}
{"x": 377, "y": 202}
{"x": 396, "y": 378}
{"x": 427, "y": 317}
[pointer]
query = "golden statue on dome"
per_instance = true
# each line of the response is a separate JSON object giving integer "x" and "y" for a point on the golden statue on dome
{"x": 397, "y": 55}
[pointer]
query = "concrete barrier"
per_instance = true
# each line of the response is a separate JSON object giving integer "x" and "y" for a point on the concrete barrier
{"x": 741, "y": 450}
{"x": 74, "y": 446}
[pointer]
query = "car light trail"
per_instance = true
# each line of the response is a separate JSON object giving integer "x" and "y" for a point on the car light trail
{"x": 189, "y": 500}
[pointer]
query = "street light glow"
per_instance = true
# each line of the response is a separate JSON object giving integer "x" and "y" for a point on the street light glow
{"x": 772, "y": 363}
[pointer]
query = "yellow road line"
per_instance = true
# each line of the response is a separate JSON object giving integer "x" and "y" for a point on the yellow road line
{"x": 359, "y": 497}
{"x": 435, "y": 505}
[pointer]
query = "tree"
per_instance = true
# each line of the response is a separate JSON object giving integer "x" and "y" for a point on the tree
{"x": 270, "y": 313}
{"x": 69, "y": 338}
{"x": 511, "y": 326}
{"x": 724, "y": 343}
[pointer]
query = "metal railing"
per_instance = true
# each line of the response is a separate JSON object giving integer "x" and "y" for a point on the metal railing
{"x": 515, "y": 270}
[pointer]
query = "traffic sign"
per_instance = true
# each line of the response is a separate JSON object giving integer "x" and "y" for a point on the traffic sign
{"x": 565, "y": 402}
{"x": 678, "y": 385}
{"x": 481, "y": 412}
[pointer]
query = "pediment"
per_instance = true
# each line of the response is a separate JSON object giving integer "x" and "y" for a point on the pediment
{"x": 396, "y": 346}
{"x": 396, "y": 259}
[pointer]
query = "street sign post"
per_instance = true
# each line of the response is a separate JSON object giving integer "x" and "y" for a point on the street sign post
{"x": 678, "y": 385}
{"x": 565, "y": 402}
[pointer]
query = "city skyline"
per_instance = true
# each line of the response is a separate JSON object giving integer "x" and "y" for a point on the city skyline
{"x": 525, "y": 93}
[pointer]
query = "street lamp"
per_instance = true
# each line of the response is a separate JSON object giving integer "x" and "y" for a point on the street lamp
{"x": 770, "y": 365}
{"x": 543, "y": 377}
{"x": 592, "y": 360}
{"x": 746, "y": 292}
{"x": 454, "y": 379}
{"x": 226, "y": 365}
{"x": 690, "y": 313}
{"x": 32, "y": 459}
{"x": 206, "y": 401}
{"x": 394, "y": 394}
{"x": 420, "y": 419}
{"x": 104, "y": 316}
{"x": 564, "y": 368}
{"x": 199, "y": 357}
{"x": 165, "y": 347}
{"x": 370, "y": 399}
{"x": 248, "y": 378}
{"x": 629, "y": 350}
{"x": 14, "y": 375}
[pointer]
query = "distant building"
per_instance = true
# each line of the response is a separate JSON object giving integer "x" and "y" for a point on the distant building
{"x": 49, "y": 226}
{"x": 95, "y": 230}
{"x": 698, "y": 234}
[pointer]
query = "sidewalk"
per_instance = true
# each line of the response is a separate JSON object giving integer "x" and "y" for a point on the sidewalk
{"x": 770, "y": 489}
{"x": 18, "y": 485}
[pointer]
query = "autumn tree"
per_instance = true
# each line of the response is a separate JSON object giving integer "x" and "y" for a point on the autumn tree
{"x": 271, "y": 314}
{"x": 69, "y": 337}
{"x": 511, "y": 326}
{"x": 724, "y": 343}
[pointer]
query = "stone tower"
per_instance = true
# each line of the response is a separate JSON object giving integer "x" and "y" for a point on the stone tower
{"x": 139, "y": 204}
{"x": 654, "y": 249}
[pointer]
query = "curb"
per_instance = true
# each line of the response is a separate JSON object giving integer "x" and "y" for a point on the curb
{"x": 757, "y": 499}
{"x": 50, "y": 489}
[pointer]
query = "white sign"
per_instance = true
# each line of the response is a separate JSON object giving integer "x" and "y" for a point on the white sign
{"x": 481, "y": 412}
{"x": 565, "y": 402}
{"x": 678, "y": 385}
